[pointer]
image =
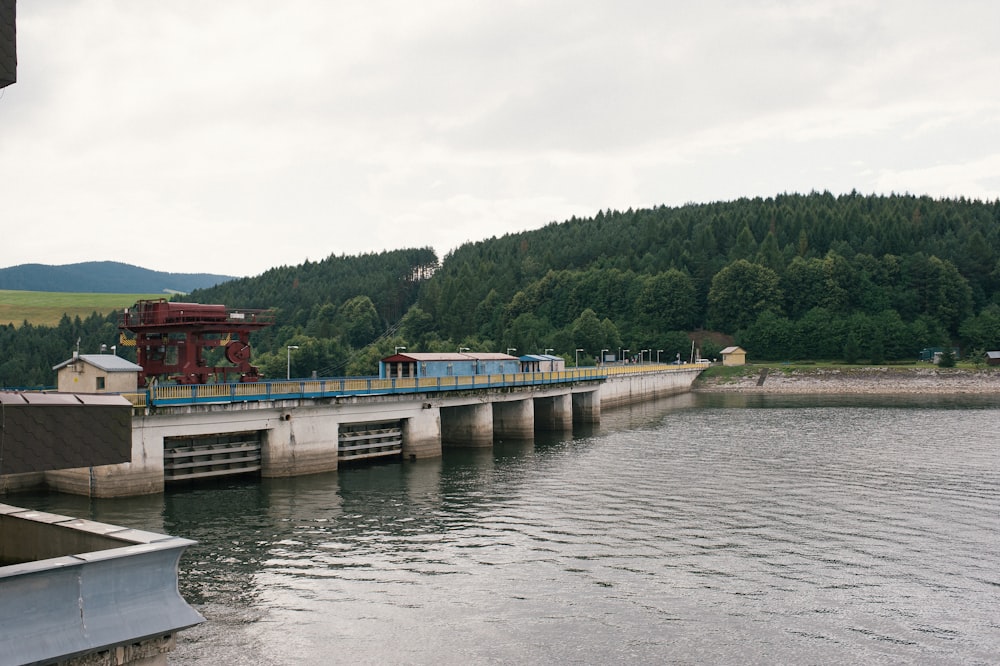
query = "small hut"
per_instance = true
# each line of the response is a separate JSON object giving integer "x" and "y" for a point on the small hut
{"x": 734, "y": 356}
{"x": 542, "y": 363}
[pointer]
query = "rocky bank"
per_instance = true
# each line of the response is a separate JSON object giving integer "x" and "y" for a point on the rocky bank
{"x": 874, "y": 380}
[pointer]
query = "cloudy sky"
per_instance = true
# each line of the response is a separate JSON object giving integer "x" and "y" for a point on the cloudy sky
{"x": 232, "y": 137}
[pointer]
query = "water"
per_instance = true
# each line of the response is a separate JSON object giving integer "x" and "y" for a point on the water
{"x": 700, "y": 529}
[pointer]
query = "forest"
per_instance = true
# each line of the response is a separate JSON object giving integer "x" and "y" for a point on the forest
{"x": 852, "y": 278}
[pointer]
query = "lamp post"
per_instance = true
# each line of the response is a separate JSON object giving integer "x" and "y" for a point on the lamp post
{"x": 462, "y": 349}
{"x": 548, "y": 349}
{"x": 602, "y": 355}
{"x": 658, "y": 352}
{"x": 649, "y": 354}
{"x": 511, "y": 349}
{"x": 288, "y": 350}
{"x": 578, "y": 358}
{"x": 395, "y": 350}
{"x": 624, "y": 355}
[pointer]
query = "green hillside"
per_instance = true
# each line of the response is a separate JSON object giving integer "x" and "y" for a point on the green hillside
{"x": 796, "y": 276}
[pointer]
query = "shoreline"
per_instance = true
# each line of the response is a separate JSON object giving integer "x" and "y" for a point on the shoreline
{"x": 865, "y": 380}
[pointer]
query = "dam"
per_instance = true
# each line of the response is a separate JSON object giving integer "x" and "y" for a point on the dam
{"x": 290, "y": 428}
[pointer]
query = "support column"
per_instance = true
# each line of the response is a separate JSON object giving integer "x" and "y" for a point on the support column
{"x": 142, "y": 476}
{"x": 422, "y": 433}
{"x": 468, "y": 425}
{"x": 514, "y": 419}
{"x": 587, "y": 407}
{"x": 298, "y": 444}
{"x": 555, "y": 413}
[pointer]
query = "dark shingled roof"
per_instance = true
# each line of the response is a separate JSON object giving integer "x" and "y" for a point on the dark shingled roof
{"x": 8, "y": 42}
{"x": 47, "y": 431}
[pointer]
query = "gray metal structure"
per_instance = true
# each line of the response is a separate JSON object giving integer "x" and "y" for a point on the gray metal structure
{"x": 76, "y": 587}
{"x": 8, "y": 42}
{"x": 47, "y": 431}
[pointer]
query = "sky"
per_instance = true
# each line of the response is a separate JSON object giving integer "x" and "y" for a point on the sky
{"x": 232, "y": 137}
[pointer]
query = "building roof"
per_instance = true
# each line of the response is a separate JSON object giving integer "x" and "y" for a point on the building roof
{"x": 105, "y": 362}
{"x": 993, "y": 354}
{"x": 421, "y": 357}
{"x": 541, "y": 357}
{"x": 733, "y": 350}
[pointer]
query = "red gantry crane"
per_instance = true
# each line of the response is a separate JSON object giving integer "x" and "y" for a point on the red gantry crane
{"x": 177, "y": 341}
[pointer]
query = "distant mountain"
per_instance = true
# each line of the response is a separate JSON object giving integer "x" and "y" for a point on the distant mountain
{"x": 106, "y": 277}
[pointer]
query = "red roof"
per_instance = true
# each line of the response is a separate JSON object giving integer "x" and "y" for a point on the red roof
{"x": 421, "y": 357}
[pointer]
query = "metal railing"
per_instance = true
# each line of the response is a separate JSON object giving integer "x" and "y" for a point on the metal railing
{"x": 188, "y": 394}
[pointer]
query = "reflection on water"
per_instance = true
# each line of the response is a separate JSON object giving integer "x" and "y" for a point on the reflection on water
{"x": 705, "y": 528}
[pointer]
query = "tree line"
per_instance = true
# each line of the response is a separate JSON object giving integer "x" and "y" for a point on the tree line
{"x": 812, "y": 276}
{"x": 791, "y": 277}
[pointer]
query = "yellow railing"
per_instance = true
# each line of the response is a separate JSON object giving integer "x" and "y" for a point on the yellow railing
{"x": 642, "y": 368}
{"x": 173, "y": 392}
{"x": 355, "y": 384}
{"x": 288, "y": 388}
{"x": 249, "y": 389}
{"x": 214, "y": 391}
{"x": 137, "y": 399}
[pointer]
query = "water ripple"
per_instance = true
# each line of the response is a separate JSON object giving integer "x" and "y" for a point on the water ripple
{"x": 709, "y": 529}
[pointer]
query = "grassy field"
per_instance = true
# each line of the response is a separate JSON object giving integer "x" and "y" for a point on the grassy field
{"x": 46, "y": 308}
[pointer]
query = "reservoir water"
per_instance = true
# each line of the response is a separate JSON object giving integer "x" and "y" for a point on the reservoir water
{"x": 699, "y": 529}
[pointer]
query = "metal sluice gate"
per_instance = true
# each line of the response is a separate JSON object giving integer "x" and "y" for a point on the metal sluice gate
{"x": 229, "y": 454}
{"x": 189, "y": 458}
{"x": 360, "y": 441}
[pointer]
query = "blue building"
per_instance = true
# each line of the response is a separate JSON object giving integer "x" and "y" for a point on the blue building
{"x": 447, "y": 364}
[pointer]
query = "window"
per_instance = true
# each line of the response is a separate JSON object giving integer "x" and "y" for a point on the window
{"x": 100, "y": 383}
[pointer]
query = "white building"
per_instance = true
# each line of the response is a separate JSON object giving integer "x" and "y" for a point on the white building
{"x": 97, "y": 373}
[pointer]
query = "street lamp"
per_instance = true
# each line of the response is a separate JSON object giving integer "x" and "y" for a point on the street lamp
{"x": 602, "y": 355}
{"x": 511, "y": 349}
{"x": 288, "y": 372}
{"x": 395, "y": 350}
{"x": 462, "y": 349}
{"x": 548, "y": 349}
{"x": 658, "y": 352}
{"x": 624, "y": 355}
{"x": 642, "y": 353}
{"x": 578, "y": 357}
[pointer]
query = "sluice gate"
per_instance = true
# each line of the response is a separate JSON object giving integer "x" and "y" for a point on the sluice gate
{"x": 359, "y": 441}
{"x": 187, "y": 458}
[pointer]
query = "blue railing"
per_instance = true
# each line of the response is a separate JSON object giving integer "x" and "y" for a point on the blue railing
{"x": 181, "y": 394}
{"x": 178, "y": 394}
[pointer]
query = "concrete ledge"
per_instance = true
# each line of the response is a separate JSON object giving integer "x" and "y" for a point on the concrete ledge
{"x": 74, "y": 588}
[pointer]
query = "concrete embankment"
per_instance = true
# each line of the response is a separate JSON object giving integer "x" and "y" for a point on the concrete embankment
{"x": 873, "y": 380}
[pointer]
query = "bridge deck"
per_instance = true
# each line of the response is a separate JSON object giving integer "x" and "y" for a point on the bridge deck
{"x": 353, "y": 386}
